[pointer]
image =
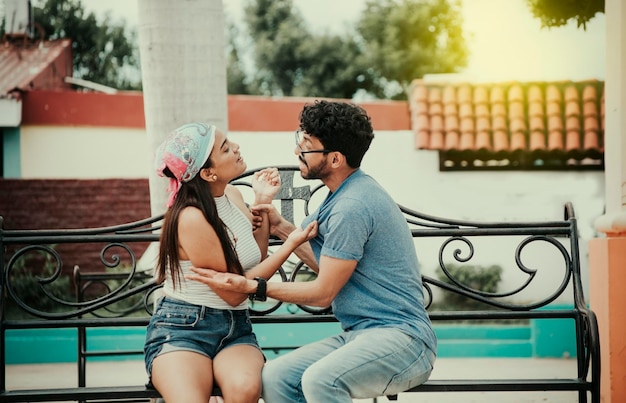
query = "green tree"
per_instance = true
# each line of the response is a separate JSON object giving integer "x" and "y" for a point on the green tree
{"x": 236, "y": 79}
{"x": 335, "y": 67}
{"x": 291, "y": 61}
{"x": 103, "y": 52}
{"x": 556, "y": 13}
{"x": 395, "y": 41}
{"x": 278, "y": 33}
{"x": 406, "y": 39}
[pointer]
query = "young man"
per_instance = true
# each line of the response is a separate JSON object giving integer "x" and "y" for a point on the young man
{"x": 367, "y": 270}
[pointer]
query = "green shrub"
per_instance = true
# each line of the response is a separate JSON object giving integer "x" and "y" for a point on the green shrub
{"x": 27, "y": 284}
{"x": 478, "y": 278}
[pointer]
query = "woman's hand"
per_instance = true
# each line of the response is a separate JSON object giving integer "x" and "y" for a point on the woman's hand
{"x": 301, "y": 235}
{"x": 273, "y": 216}
{"x": 266, "y": 184}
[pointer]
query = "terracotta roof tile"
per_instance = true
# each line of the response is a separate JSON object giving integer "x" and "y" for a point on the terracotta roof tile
{"x": 466, "y": 109}
{"x": 449, "y": 95}
{"x": 482, "y": 110}
{"x": 483, "y": 140}
{"x": 555, "y": 123}
{"x": 553, "y": 108}
{"x": 498, "y": 110}
{"x": 451, "y": 123}
{"x": 480, "y": 95}
{"x": 590, "y": 109}
{"x": 535, "y": 109}
{"x": 535, "y": 95}
{"x": 590, "y": 94}
{"x": 572, "y": 108}
{"x": 538, "y": 124}
{"x": 500, "y": 140}
{"x": 436, "y": 140}
{"x": 553, "y": 94}
{"x": 555, "y": 140}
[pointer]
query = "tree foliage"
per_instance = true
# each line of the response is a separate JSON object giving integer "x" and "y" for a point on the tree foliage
{"x": 406, "y": 39}
{"x": 556, "y": 13}
{"x": 291, "y": 61}
{"x": 236, "y": 79}
{"x": 103, "y": 52}
{"x": 394, "y": 42}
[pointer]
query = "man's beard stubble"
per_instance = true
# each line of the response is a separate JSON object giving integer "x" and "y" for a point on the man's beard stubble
{"x": 314, "y": 172}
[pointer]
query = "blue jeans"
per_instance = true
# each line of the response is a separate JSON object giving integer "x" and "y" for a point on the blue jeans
{"x": 178, "y": 325}
{"x": 358, "y": 364}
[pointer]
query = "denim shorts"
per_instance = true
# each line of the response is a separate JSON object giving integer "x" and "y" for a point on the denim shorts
{"x": 177, "y": 325}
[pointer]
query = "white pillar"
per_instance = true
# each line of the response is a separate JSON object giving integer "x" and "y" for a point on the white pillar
{"x": 614, "y": 221}
{"x": 607, "y": 255}
{"x": 183, "y": 69}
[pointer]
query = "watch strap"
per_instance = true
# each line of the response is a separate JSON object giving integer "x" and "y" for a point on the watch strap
{"x": 261, "y": 290}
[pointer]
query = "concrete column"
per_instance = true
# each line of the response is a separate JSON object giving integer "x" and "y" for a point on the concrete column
{"x": 607, "y": 255}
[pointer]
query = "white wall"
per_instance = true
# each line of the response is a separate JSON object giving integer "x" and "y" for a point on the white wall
{"x": 83, "y": 152}
{"x": 411, "y": 176}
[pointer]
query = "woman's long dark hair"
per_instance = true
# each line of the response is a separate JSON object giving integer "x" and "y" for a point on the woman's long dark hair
{"x": 195, "y": 193}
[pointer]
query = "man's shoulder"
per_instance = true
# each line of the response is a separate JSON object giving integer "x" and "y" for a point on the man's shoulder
{"x": 366, "y": 189}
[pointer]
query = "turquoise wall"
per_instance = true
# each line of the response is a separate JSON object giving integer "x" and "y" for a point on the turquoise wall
{"x": 540, "y": 338}
{"x": 12, "y": 161}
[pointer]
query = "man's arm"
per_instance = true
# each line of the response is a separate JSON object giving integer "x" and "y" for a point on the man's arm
{"x": 332, "y": 276}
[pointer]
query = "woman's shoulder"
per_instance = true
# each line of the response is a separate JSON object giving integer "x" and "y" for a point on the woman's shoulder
{"x": 190, "y": 215}
{"x": 235, "y": 196}
{"x": 233, "y": 193}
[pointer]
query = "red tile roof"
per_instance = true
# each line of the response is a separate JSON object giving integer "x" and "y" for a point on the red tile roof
{"x": 538, "y": 124}
{"x": 26, "y": 65}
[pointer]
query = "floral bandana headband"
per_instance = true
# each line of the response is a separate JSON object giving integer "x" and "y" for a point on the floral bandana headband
{"x": 184, "y": 152}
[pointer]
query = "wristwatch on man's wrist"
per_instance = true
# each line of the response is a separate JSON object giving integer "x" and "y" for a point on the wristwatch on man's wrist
{"x": 261, "y": 290}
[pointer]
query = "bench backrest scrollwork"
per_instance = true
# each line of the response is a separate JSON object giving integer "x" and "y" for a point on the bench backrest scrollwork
{"x": 540, "y": 260}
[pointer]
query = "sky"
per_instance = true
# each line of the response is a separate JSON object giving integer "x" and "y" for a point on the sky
{"x": 506, "y": 43}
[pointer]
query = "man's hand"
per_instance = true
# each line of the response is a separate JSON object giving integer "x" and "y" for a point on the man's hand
{"x": 265, "y": 184}
{"x": 223, "y": 280}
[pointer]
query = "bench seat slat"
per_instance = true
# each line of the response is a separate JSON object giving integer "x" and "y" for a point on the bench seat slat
{"x": 79, "y": 393}
{"x": 493, "y": 385}
{"x": 433, "y": 385}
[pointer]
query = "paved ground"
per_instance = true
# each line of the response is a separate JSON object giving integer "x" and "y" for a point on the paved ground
{"x": 132, "y": 373}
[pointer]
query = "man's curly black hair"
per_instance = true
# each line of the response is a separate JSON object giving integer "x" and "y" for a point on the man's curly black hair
{"x": 340, "y": 126}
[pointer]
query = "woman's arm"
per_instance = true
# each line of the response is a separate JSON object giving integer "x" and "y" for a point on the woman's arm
{"x": 198, "y": 242}
{"x": 268, "y": 267}
{"x": 265, "y": 184}
{"x": 296, "y": 238}
{"x": 280, "y": 227}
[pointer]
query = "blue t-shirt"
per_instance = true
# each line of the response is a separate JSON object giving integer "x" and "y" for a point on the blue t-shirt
{"x": 360, "y": 221}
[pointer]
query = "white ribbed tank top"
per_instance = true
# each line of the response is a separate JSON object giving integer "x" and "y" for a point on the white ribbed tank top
{"x": 240, "y": 232}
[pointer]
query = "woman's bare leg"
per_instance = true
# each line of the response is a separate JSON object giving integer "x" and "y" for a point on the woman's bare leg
{"x": 183, "y": 377}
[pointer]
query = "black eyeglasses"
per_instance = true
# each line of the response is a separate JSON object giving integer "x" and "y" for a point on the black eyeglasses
{"x": 300, "y": 139}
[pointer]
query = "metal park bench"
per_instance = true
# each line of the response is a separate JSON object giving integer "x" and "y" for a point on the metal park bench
{"x": 115, "y": 290}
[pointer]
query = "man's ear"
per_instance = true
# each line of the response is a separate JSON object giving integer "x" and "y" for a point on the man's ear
{"x": 337, "y": 159}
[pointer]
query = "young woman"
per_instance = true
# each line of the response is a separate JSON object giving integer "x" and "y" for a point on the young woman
{"x": 199, "y": 335}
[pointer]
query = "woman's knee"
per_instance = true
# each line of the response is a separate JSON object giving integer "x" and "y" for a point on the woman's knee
{"x": 242, "y": 390}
